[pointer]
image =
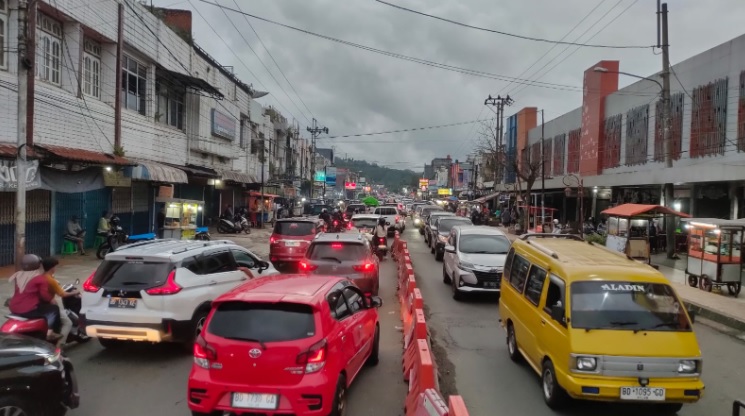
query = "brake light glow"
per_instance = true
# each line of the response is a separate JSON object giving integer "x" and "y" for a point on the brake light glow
{"x": 170, "y": 287}
{"x": 272, "y": 240}
{"x": 314, "y": 358}
{"x": 397, "y": 218}
{"x": 203, "y": 353}
{"x": 337, "y": 246}
{"x": 89, "y": 286}
{"x": 367, "y": 267}
{"x": 306, "y": 267}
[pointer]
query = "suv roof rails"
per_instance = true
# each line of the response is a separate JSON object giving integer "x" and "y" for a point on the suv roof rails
{"x": 144, "y": 243}
{"x": 200, "y": 244}
{"x": 544, "y": 250}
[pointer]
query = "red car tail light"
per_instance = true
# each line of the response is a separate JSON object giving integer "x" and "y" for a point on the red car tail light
{"x": 170, "y": 287}
{"x": 307, "y": 267}
{"x": 89, "y": 286}
{"x": 272, "y": 240}
{"x": 315, "y": 358}
{"x": 204, "y": 354}
{"x": 337, "y": 246}
{"x": 367, "y": 267}
{"x": 397, "y": 218}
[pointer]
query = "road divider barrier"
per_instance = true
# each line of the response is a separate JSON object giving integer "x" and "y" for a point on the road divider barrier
{"x": 418, "y": 363}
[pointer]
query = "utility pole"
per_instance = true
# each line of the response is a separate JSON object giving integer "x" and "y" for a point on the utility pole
{"x": 24, "y": 66}
{"x": 543, "y": 171}
{"x": 498, "y": 102}
{"x": 666, "y": 139}
{"x": 315, "y": 131}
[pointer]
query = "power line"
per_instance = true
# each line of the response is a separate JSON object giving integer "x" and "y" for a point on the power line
{"x": 275, "y": 61}
{"x": 534, "y": 39}
{"x": 402, "y": 130}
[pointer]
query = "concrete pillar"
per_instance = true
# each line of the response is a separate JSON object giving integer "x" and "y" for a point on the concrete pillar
{"x": 733, "y": 200}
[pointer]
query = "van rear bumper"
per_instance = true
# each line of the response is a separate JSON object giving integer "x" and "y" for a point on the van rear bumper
{"x": 682, "y": 390}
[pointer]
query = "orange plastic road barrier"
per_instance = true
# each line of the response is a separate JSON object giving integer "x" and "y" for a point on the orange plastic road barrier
{"x": 457, "y": 407}
{"x": 422, "y": 375}
{"x": 430, "y": 403}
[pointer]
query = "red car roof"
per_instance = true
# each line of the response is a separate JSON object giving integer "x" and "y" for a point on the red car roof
{"x": 294, "y": 288}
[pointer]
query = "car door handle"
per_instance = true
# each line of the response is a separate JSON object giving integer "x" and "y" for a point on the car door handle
{"x": 212, "y": 283}
{"x": 543, "y": 322}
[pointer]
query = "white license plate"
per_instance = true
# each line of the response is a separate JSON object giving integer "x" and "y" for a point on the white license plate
{"x": 491, "y": 285}
{"x": 292, "y": 243}
{"x": 652, "y": 394}
{"x": 255, "y": 401}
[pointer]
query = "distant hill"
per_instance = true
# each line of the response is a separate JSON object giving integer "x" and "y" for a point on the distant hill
{"x": 393, "y": 179}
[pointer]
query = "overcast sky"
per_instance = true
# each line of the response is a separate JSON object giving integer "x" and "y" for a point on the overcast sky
{"x": 352, "y": 91}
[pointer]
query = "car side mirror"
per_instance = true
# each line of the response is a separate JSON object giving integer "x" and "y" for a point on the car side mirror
{"x": 449, "y": 249}
{"x": 376, "y": 301}
{"x": 263, "y": 265}
{"x": 387, "y": 223}
{"x": 77, "y": 282}
{"x": 557, "y": 313}
{"x": 692, "y": 315}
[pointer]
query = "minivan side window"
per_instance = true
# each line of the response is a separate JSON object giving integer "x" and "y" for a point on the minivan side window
{"x": 555, "y": 294}
{"x": 534, "y": 287}
{"x": 220, "y": 262}
{"x": 519, "y": 273}
{"x": 244, "y": 259}
{"x": 508, "y": 262}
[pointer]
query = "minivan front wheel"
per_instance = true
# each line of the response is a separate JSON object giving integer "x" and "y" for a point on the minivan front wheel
{"x": 512, "y": 344}
{"x": 553, "y": 394}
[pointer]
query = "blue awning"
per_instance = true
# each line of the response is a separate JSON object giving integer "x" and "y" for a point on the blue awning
{"x": 156, "y": 172}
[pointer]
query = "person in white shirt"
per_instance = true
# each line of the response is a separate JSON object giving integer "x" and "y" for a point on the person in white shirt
{"x": 557, "y": 227}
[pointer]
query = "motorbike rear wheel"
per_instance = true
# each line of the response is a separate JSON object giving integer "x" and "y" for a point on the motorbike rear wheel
{"x": 103, "y": 250}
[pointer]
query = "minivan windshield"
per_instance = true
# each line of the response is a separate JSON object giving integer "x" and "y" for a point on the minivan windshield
{"x": 263, "y": 322}
{"x": 447, "y": 224}
{"x": 636, "y": 306}
{"x": 294, "y": 228}
{"x": 484, "y": 244}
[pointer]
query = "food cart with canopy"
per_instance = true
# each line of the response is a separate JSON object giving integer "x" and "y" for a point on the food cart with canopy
{"x": 628, "y": 228}
{"x": 714, "y": 253}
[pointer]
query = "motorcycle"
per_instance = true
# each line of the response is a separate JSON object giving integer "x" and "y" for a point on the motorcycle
{"x": 337, "y": 226}
{"x": 233, "y": 226}
{"x": 37, "y": 327}
{"x": 380, "y": 248}
{"x": 117, "y": 238}
{"x": 203, "y": 234}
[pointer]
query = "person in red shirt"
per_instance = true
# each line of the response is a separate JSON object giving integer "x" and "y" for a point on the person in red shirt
{"x": 31, "y": 298}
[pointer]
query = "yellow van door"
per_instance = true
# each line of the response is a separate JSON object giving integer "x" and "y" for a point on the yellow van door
{"x": 518, "y": 276}
{"x": 553, "y": 339}
{"x": 531, "y": 315}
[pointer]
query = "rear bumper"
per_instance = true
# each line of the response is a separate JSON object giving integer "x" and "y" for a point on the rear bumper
{"x": 167, "y": 330}
{"x": 607, "y": 389}
{"x": 313, "y": 396}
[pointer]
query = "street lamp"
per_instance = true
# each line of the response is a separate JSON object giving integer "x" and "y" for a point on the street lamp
{"x": 607, "y": 71}
{"x": 579, "y": 184}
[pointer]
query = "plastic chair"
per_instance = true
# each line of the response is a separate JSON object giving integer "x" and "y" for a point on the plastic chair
{"x": 69, "y": 247}
{"x": 99, "y": 240}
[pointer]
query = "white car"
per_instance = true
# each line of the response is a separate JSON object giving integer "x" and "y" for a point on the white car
{"x": 474, "y": 259}
{"x": 160, "y": 291}
{"x": 392, "y": 217}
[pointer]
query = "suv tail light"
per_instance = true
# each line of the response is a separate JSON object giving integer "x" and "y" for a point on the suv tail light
{"x": 272, "y": 240}
{"x": 366, "y": 267}
{"x": 89, "y": 286}
{"x": 315, "y": 358}
{"x": 307, "y": 267}
{"x": 397, "y": 218}
{"x": 170, "y": 287}
{"x": 204, "y": 354}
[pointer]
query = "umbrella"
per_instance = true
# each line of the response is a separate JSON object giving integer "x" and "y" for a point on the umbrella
{"x": 370, "y": 201}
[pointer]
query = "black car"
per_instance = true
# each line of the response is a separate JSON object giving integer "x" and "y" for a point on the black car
{"x": 35, "y": 379}
{"x": 429, "y": 232}
{"x": 441, "y": 231}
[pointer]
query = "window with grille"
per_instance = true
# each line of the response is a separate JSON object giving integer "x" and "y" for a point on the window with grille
{"x": 49, "y": 49}
{"x": 92, "y": 69}
{"x": 573, "y": 151}
{"x": 559, "y": 154}
{"x": 134, "y": 85}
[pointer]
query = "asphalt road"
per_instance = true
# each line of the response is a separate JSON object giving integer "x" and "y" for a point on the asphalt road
{"x": 473, "y": 352}
{"x": 151, "y": 379}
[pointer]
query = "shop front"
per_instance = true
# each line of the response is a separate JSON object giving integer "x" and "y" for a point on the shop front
{"x": 181, "y": 216}
{"x": 260, "y": 210}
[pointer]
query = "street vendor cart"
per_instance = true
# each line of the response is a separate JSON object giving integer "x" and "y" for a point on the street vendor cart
{"x": 629, "y": 229}
{"x": 714, "y": 253}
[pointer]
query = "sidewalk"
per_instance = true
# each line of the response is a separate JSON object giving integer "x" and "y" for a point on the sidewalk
{"x": 80, "y": 267}
{"x": 716, "y": 306}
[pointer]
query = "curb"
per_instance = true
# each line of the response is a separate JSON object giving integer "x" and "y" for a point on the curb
{"x": 715, "y": 316}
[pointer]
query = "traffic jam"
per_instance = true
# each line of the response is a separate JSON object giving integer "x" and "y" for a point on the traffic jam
{"x": 293, "y": 334}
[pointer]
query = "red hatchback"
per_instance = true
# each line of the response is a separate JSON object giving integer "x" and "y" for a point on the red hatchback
{"x": 290, "y": 239}
{"x": 283, "y": 345}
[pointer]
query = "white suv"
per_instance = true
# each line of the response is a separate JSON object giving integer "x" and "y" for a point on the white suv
{"x": 161, "y": 290}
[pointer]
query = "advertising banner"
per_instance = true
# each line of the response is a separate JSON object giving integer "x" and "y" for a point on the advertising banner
{"x": 350, "y": 185}
{"x": 444, "y": 191}
{"x": 223, "y": 125}
{"x": 330, "y": 176}
{"x": 9, "y": 175}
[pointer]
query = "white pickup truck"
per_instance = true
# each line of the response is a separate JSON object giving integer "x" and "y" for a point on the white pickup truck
{"x": 392, "y": 217}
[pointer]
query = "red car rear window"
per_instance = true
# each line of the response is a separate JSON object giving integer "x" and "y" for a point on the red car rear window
{"x": 264, "y": 322}
{"x": 295, "y": 229}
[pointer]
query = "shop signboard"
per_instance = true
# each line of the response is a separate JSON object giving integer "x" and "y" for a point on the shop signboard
{"x": 9, "y": 175}
{"x": 330, "y": 176}
{"x": 223, "y": 125}
{"x": 350, "y": 185}
{"x": 362, "y": 181}
{"x": 319, "y": 176}
{"x": 116, "y": 178}
{"x": 423, "y": 183}
{"x": 444, "y": 191}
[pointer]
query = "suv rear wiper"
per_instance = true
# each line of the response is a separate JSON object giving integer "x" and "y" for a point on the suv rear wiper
{"x": 260, "y": 342}
{"x": 331, "y": 258}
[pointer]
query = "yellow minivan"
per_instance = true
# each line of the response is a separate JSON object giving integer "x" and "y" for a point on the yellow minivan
{"x": 597, "y": 325}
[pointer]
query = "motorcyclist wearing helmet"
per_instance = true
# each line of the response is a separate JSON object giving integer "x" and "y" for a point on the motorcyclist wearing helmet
{"x": 325, "y": 216}
{"x": 31, "y": 298}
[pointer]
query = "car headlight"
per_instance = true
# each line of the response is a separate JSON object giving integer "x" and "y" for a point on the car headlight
{"x": 417, "y": 220}
{"x": 464, "y": 265}
{"x": 688, "y": 366}
{"x": 586, "y": 363}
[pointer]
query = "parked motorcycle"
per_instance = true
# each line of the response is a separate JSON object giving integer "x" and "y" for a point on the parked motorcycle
{"x": 118, "y": 239}
{"x": 37, "y": 328}
{"x": 203, "y": 234}
{"x": 234, "y": 225}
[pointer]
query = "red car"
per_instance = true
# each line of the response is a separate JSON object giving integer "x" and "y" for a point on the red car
{"x": 283, "y": 345}
{"x": 290, "y": 239}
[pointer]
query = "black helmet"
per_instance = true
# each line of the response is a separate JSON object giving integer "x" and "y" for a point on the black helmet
{"x": 381, "y": 221}
{"x": 114, "y": 220}
{"x": 30, "y": 262}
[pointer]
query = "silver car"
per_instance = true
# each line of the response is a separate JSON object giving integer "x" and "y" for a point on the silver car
{"x": 344, "y": 254}
{"x": 474, "y": 259}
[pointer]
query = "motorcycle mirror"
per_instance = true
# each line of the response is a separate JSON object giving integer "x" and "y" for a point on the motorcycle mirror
{"x": 77, "y": 282}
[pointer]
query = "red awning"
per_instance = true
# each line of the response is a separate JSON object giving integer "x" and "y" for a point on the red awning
{"x": 85, "y": 156}
{"x": 8, "y": 150}
{"x": 258, "y": 194}
{"x": 641, "y": 210}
